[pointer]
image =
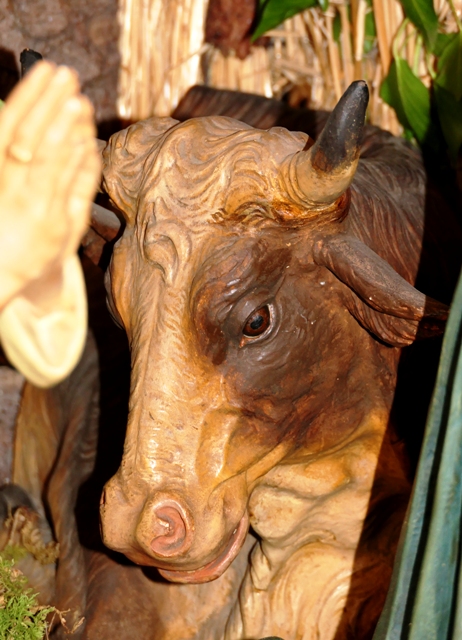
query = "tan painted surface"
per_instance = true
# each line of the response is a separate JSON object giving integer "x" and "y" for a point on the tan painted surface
{"x": 49, "y": 168}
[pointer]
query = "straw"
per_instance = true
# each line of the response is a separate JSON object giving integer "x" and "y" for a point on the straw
{"x": 163, "y": 55}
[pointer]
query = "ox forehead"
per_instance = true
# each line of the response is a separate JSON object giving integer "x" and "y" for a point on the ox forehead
{"x": 202, "y": 170}
{"x": 216, "y": 167}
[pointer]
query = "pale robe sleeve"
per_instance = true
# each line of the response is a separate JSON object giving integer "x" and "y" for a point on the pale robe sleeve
{"x": 46, "y": 345}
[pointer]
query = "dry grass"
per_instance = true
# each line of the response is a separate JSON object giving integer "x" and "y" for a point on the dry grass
{"x": 163, "y": 55}
{"x": 161, "y": 47}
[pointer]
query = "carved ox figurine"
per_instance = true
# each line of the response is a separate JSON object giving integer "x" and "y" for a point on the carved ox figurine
{"x": 264, "y": 285}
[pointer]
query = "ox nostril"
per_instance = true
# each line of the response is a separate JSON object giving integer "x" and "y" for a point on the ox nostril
{"x": 172, "y": 533}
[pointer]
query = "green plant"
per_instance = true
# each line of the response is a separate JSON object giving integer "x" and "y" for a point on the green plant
{"x": 20, "y": 616}
{"x": 432, "y": 114}
{"x": 13, "y": 552}
{"x": 419, "y": 59}
{"x": 272, "y": 13}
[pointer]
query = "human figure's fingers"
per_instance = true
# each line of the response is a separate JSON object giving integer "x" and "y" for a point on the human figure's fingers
{"x": 77, "y": 185}
{"x": 40, "y": 173}
{"x": 49, "y": 168}
{"x": 83, "y": 189}
{"x": 23, "y": 98}
{"x": 77, "y": 169}
{"x": 28, "y": 135}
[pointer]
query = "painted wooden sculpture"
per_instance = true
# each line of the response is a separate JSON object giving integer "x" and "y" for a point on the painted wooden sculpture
{"x": 265, "y": 283}
{"x": 261, "y": 280}
{"x": 49, "y": 169}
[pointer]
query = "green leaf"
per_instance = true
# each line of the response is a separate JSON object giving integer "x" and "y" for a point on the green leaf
{"x": 450, "y": 115}
{"x": 410, "y": 98}
{"x": 337, "y": 27}
{"x": 450, "y": 67}
{"x": 370, "y": 32}
{"x": 422, "y": 14}
{"x": 369, "y": 25}
{"x": 324, "y": 4}
{"x": 442, "y": 41}
{"x": 272, "y": 13}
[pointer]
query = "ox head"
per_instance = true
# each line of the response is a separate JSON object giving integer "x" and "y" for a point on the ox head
{"x": 241, "y": 294}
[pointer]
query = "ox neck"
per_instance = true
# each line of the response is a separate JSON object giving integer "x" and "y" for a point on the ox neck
{"x": 324, "y": 499}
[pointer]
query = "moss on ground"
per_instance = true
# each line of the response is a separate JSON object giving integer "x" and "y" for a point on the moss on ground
{"x": 21, "y": 618}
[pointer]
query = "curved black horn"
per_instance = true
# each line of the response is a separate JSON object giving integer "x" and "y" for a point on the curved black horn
{"x": 323, "y": 172}
{"x": 339, "y": 143}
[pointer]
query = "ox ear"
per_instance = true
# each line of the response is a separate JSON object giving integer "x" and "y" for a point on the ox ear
{"x": 106, "y": 226}
{"x": 377, "y": 296}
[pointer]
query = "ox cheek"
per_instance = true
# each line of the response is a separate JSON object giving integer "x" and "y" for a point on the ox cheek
{"x": 272, "y": 381}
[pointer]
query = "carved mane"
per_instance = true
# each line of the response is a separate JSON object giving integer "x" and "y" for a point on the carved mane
{"x": 397, "y": 213}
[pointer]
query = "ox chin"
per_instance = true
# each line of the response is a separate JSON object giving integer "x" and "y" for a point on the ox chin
{"x": 214, "y": 569}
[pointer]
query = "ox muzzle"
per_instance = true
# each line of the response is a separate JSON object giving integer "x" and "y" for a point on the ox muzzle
{"x": 179, "y": 499}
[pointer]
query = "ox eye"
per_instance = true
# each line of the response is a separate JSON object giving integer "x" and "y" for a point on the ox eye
{"x": 257, "y": 323}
